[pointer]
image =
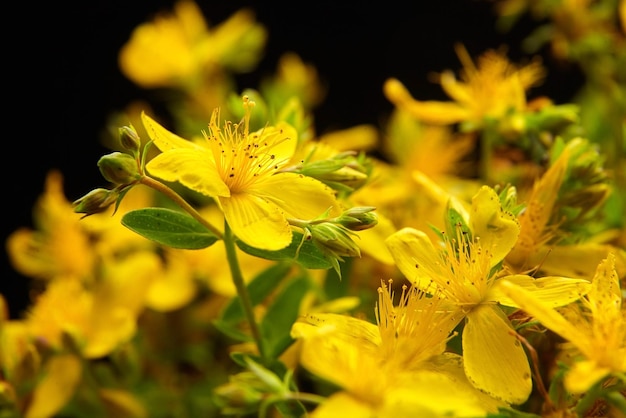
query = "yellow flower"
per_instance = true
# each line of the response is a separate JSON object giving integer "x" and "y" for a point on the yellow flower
{"x": 466, "y": 273}
{"x": 176, "y": 49}
{"x": 489, "y": 89}
{"x": 538, "y": 243}
{"x": 397, "y": 368}
{"x": 242, "y": 172}
{"x": 99, "y": 318}
{"x": 58, "y": 245}
{"x": 64, "y": 245}
{"x": 536, "y": 232}
{"x": 595, "y": 326}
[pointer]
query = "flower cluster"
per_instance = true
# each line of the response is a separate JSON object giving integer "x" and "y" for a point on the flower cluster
{"x": 462, "y": 258}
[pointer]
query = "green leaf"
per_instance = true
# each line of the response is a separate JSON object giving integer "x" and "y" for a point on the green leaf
{"x": 232, "y": 330}
{"x": 259, "y": 288}
{"x": 309, "y": 256}
{"x": 281, "y": 314}
{"x": 169, "y": 227}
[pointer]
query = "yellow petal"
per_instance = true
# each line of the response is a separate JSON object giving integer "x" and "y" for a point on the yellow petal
{"x": 61, "y": 375}
{"x": 256, "y": 222}
{"x": 193, "y": 168}
{"x": 542, "y": 311}
{"x": 605, "y": 296}
{"x": 316, "y": 324}
{"x": 495, "y": 361}
{"x": 282, "y": 140}
{"x": 498, "y": 230}
{"x": 440, "y": 113}
{"x": 578, "y": 260}
{"x": 416, "y": 257}
{"x": 553, "y": 291}
{"x": 297, "y": 195}
{"x": 173, "y": 288}
{"x": 583, "y": 375}
{"x": 162, "y": 138}
{"x": 343, "y": 405}
{"x": 350, "y": 363}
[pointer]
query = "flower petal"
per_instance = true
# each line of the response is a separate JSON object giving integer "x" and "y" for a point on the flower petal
{"x": 193, "y": 168}
{"x": 498, "y": 230}
{"x": 583, "y": 375}
{"x": 289, "y": 190}
{"x": 416, "y": 257}
{"x": 162, "y": 138}
{"x": 256, "y": 222}
{"x": 319, "y": 323}
{"x": 282, "y": 139}
{"x": 435, "y": 112}
{"x": 62, "y": 374}
{"x": 541, "y": 310}
{"x": 495, "y": 361}
{"x": 341, "y": 404}
{"x": 553, "y": 291}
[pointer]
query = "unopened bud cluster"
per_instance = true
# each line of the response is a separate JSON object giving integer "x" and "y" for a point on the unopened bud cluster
{"x": 343, "y": 171}
{"x": 334, "y": 236}
{"x": 120, "y": 169}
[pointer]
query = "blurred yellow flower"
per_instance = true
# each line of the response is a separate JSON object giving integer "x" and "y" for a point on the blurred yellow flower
{"x": 594, "y": 327}
{"x": 178, "y": 49}
{"x": 64, "y": 245}
{"x": 242, "y": 172}
{"x": 489, "y": 89}
{"x": 464, "y": 273}
{"x": 100, "y": 317}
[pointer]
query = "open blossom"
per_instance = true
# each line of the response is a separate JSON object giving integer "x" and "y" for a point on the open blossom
{"x": 489, "y": 89}
{"x": 241, "y": 170}
{"x": 395, "y": 368}
{"x": 465, "y": 272}
{"x": 180, "y": 47}
{"x": 594, "y": 328}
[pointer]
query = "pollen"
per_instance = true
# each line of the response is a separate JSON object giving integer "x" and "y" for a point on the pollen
{"x": 414, "y": 330}
{"x": 243, "y": 158}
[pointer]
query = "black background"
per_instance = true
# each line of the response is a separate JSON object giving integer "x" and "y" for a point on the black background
{"x": 62, "y": 81}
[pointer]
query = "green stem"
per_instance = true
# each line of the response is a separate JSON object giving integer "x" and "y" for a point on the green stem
{"x": 158, "y": 186}
{"x": 242, "y": 290}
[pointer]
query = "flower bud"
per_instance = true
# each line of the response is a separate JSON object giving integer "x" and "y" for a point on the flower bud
{"x": 119, "y": 168}
{"x": 335, "y": 239}
{"x": 96, "y": 201}
{"x": 129, "y": 139}
{"x": 554, "y": 118}
{"x": 242, "y": 394}
{"x": 358, "y": 218}
{"x": 341, "y": 171}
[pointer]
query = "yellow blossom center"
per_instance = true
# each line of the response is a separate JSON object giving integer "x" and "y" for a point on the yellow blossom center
{"x": 414, "y": 330}
{"x": 243, "y": 158}
{"x": 466, "y": 271}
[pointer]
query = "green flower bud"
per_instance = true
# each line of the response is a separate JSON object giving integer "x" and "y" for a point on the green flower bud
{"x": 343, "y": 171}
{"x": 554, "y": 118}
{"x": 358, "y": 218}
{"x": 241, "y": 395}
{"x": 129, "y": 139}
{"x": 96, "y": 201}
{"x": 119, "y": 168}
{"x": 335, "y": 239}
